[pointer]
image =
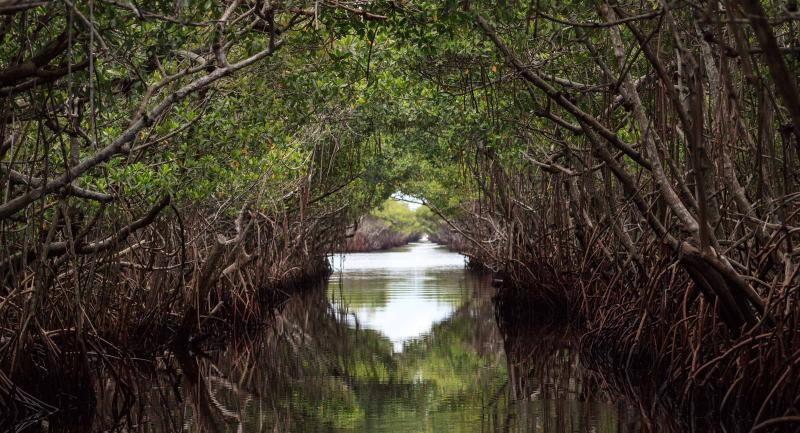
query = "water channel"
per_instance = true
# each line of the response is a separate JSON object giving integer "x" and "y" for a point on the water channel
{"x": 399, "y": 341}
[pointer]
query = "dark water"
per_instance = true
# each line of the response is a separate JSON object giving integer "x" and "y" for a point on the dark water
{"x": 399, "y": 341}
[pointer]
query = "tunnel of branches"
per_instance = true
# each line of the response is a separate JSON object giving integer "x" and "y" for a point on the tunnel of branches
{"x": 632, "y": 166}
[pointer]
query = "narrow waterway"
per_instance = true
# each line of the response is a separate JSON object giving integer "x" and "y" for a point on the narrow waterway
{"x": 400, "y": 341}
{"x": 447, "y": 369}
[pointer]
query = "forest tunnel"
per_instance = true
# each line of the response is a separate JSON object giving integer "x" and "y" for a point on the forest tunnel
{"x": 640, "y": 161}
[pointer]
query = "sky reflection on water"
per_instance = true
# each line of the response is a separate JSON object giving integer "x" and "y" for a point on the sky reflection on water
{"x": 420, "y": 285}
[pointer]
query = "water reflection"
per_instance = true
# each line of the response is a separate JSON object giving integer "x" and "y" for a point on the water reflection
{"x": 402, "y": 341}
{"x": 551, "y": 391}
{"x": 400, "y": 293}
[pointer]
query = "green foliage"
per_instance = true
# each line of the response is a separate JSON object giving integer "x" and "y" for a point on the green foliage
{"x": 427, "y": 221}
{"x": 400, "y": 217}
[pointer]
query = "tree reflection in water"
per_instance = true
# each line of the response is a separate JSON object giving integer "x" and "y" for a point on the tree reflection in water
{"x": 316, "y": 369}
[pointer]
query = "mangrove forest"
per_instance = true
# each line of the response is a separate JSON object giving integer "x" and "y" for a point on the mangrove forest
{"x": 525, "y": 216}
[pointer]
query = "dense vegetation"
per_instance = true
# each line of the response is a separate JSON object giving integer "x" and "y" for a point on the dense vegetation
{"x": 392, "y": 224}
{"x": 167, "y": 161}
{"x": 634, "y": 164}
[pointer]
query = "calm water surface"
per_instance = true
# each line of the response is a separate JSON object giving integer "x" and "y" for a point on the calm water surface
{"x": 399, "y": 341}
